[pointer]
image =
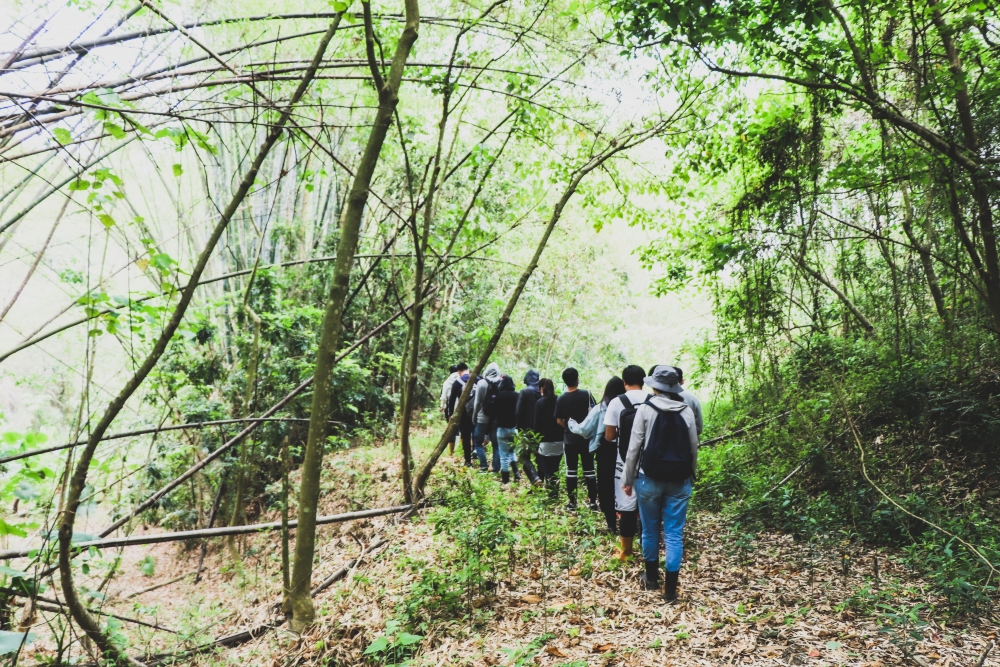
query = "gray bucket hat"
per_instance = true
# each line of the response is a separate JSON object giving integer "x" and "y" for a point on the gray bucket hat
{"x": 665, "y": 378}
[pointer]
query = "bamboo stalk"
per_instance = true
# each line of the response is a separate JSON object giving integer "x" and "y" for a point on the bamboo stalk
{"x": 225, "y": 531}
{"x": 154, "y": 429}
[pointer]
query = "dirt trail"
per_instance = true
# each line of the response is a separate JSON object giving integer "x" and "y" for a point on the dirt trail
{"x": 768, "y": 601}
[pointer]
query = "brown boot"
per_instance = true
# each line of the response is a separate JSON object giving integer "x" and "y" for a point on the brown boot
{"x": 625, "y": 550}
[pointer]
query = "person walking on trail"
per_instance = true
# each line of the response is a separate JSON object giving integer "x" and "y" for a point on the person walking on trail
{"x": 528, "y": 440}
{"x": 505, "y": 414}
{"x": 618, "y": 420}
{"x": 446, "y": 389}
{"x": 660, "y": 468}
{"x": 446, "y": 399}
{"x": 604, "y": 451}
{"x": 691, "y": 400}
{"x": 550, "y": 447}
{"x": 465, "y": 424}
{"x": 486, "y": 391}
{"x": 575, "y": 403}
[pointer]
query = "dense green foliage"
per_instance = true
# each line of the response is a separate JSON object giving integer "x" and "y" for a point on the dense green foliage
{"x": 839, "y": 208}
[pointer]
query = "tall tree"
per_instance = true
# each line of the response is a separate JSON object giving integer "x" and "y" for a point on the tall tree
{"x": 299, "y": 603}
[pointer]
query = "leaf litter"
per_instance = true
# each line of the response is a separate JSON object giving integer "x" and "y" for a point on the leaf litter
{"x": 784, "y": 604}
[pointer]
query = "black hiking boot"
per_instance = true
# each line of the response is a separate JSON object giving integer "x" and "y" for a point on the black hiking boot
{"x": 651, "y": 577}
{"x": 504, "y": 477}
{"x": 670, "y": 587}
{"x": 571, "y": 505}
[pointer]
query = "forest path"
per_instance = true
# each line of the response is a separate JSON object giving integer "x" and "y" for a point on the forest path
{"x": 493, "y": 575}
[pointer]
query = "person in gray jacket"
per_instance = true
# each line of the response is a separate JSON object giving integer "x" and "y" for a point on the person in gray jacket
{"x": 485, "y": 428}
{"x": 663, "y": 502}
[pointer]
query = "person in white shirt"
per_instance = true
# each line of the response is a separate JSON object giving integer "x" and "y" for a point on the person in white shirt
{"x": 626, "y": 505}
{"x": 446, "y": 389}
{"x": 445, "y": 396}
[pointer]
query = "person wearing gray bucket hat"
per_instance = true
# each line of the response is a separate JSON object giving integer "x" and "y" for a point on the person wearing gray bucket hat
{"x": 664, "y": 379}
{"x": 660, "y": 467}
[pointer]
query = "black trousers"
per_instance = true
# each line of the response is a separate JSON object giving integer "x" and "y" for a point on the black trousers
{"x": 606, "y": 456}
{"x": 580, "y": 454}
{"x": 548, "y": 467}
{"x": 465, "y": 431}
{"x": 629, "y": 524}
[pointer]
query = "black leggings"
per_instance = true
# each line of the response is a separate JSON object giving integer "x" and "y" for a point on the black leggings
{"x": 467, "y": 446}
{"x": 628, "y": 526}
{"x": 581, "y": 452}
{"x": 606, "y": 456}
{"x": 548, "y": 466}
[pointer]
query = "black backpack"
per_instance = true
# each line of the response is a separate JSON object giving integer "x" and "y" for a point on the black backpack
{"x": 667, "y": 457}
{"x": 625, "y": 420}
{"x": 490, "y": 399}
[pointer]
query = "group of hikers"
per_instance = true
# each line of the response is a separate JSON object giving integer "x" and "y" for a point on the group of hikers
{"x": 638, "y": 451}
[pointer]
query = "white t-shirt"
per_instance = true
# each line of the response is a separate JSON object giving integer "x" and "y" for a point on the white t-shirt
{"x": 615, "y": 407}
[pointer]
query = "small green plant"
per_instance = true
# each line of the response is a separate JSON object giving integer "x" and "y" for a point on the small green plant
{"x": 903, "y": 626}
{"x": 393, "y": 647}
{"x": 521, "y": 657}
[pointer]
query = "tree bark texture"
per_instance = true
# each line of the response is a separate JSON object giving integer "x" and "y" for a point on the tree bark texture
{"x": 300, "y": 600}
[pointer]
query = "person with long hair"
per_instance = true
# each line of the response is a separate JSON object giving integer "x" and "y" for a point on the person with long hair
{"x": 550, "y": 448}
{"x": 604, "y": 451}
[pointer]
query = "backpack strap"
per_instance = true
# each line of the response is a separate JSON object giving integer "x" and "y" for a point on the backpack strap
{"x": 626, "y": 404}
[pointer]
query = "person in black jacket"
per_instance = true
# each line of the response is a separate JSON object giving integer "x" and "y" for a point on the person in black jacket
{"x": 528, "y": 440}
{"x": 550, "y": 449}
{"x": 465, "y": 425}
{"x": 505, "y": 417}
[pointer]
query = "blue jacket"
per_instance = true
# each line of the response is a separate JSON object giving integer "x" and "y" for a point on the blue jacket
{"x": 592, "y": 427}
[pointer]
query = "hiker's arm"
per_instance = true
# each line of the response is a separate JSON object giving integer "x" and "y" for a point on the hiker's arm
{"x": 610, "y": 433}
{"x": 635, "y": 446}
{"x": 561, "y": 421}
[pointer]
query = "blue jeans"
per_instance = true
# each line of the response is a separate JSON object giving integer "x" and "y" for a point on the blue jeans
{"x": 505, "y": 438}
{"x": 663, "y": 506}
{"x": 478, "y": 436}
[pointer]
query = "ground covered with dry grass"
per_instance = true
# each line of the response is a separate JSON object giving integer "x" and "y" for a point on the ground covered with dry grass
{"x": 491, "y": 575}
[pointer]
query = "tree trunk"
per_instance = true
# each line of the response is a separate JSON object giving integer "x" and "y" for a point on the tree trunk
{"x": 980, "y": 187}
{"x": 300, "y": 601}
{"x": 923, "y": 249}
{"x": 840, "y": 295}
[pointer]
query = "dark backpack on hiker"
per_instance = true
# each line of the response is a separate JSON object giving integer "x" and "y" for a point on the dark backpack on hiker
{"x": 490, "y": 399}
{"x": 625, "y": 420}
{"x": 668, "y": 457}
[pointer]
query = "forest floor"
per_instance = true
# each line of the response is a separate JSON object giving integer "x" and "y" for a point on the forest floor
{"x": 508, "y": 579}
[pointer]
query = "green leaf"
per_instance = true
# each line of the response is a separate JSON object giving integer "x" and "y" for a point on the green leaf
{"x": 14, "y": 574}
{"x": 11, "y": 642}
{"x": 405, "y": 639}
{"x": 106, "y": 220}
{"x": 378, "y": 646}
{"x": 833, "y": 646}
{"x": 339, "y": 6}
{"x": 12, "y": 529}
{"x": 114, "y": 130}
{"x": 178, "y": 170}
{"x": 33, "y": 438}
{"x": 79, "y": 184}
{"x": 147, "y": 565}
{"x": 62, "y": 135}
